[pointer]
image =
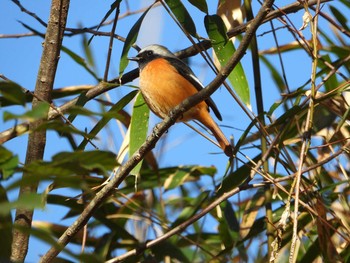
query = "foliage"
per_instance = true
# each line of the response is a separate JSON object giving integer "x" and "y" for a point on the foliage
{"x": 298, "y": 182}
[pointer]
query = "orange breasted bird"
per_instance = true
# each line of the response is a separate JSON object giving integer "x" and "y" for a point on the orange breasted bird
{"x": 166, "y": 81}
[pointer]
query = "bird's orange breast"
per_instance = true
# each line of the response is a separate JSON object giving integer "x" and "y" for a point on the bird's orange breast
{"x": 163, "y": 88}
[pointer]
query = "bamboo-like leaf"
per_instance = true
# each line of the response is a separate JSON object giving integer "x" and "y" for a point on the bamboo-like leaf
{"x": 251, "y": 212}
{"x": 182, "y": 175}
{"x": 106, "y": 118}
{"x": 339, "y": 17}
{"x": 224, "y": 49}
{"x": 8, "y": 163}
{"x": 130, "y": 40}
{"x": 167, "y": 249}
{"x": 276, "y": 76}
{"x": 182, "y": 15}
{"x": 12, "y": 92}
{"x": 200, "y": 4}
{"x": 149, "y": 176}
{"x": 191, "y": 208}
{"x": 230, "y": 216}
{"x": 236, "y": 178}
{"x": 39, "y": 112}
{"x": 24, "y": 201}
{"x": 80, "y": 61}
{"x": 138, "y": 128}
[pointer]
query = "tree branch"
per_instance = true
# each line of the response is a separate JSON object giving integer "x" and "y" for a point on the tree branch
{"x": 37, "y": 139}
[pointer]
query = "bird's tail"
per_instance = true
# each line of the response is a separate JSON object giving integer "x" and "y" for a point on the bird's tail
{"x": 208, "y": 122}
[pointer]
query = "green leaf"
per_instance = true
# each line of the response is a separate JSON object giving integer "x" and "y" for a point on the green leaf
{"x": 88, "y": 51}
{"x": 74, "y": 163}
{"x": 191, "y": 208}
{"x": 236, "y": 178}
{"x": 39, "y": 112}
{"x": 200, "y": 4}
{"x": 276, "y": 76}
{"x": 339, "y": 17}
{"x": 181, "y": 175}
{"x": 98, "y": 161}
{"x": 106, "y": 118}
{"x": 149, "y": 176}
{"x": 5, "y": 228}
{"x": 182, "y": 16}
{"x": 167, "y": 249}
{"x": 138, "y": 128}
{"x": 8, "y": 163}
{"x": 80, "y": 61}
{"x": 224, "y": 49}
{"x": 130, "y": 40}
{"x": 25, "y": 201}
{"x": 82, "y": 100}
{"x": 230, "y": 216}
{"x": 251, "y": 211}
{"x": 12, "y": 92}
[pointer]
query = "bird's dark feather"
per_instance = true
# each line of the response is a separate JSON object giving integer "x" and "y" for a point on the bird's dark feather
{"x": 186, "y": 71}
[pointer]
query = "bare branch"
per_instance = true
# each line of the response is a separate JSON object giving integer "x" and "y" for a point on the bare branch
{"x": 37, "y": 139}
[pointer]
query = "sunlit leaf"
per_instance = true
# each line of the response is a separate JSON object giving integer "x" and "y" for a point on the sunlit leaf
{"x": 24, "y": 201}
{"x": 39, "y": 112}
{"x": 224, "y": 49}
{"x": 250, "y": 213}
{"x": 138, "y": 128}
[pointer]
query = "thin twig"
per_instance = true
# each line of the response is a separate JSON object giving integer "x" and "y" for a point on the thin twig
{"x": 110, "y": 47}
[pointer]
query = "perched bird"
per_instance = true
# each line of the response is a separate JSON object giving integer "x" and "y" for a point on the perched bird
{"x": 165, "y": 81}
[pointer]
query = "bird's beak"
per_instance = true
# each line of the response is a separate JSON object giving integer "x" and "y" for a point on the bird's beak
{"x": 134, "y": 59}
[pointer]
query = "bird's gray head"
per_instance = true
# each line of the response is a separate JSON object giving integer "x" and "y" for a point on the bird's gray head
{"x": 150, "y": 53}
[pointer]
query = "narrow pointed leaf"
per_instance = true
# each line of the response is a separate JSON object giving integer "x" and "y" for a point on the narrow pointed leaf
{"x": 130, "y": 40}
{"x": 138, "y": 128}
{"x": 180, "y": 11}
{"x": 103, "y": 122}
{"x": 224, "y": 49}
{"x": 37, "y": 113}
{"x": 12, "y": 92}
{"x": 200, "y": 4}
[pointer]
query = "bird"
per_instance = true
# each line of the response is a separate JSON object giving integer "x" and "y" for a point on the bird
{"x": 166, "y": 81}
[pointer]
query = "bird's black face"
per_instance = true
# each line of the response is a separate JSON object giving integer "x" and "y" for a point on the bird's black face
{"x": 144, "y": 57}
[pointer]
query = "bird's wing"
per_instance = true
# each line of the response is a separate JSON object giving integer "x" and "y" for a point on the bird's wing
{"x": 186, "y": 71}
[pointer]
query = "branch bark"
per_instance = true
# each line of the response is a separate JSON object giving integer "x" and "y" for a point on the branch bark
{"x": 157, "y": 132}
{"x": 37, "y": 139}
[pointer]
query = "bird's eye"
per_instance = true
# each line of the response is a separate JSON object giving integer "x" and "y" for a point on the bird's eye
{"x": 149, "y": 53}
